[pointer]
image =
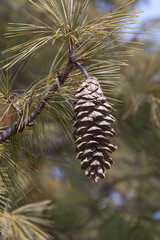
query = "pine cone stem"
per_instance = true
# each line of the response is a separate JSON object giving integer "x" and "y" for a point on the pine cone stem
{"x": 78, "y": 65}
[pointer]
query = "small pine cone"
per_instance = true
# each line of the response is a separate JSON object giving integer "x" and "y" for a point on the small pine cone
{"x": 92, "y": 125}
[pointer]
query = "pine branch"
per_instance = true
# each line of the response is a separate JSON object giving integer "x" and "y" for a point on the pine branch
{"x": 20, "y": 124}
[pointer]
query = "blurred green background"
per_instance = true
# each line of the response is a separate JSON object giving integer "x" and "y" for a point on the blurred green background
{"x": 126, "y": 204}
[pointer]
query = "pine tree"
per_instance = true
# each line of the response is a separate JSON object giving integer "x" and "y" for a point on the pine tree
{"x": 86, "y": 48}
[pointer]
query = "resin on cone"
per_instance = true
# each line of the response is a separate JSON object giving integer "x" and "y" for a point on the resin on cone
{"x": 92, "y": 128}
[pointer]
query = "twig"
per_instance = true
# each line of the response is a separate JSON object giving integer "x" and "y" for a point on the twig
{"x": 76, "y": 61}
{"x": 78, "y": 65}
{"x": 18, "y": 125}
{"x": 20, "y": 112}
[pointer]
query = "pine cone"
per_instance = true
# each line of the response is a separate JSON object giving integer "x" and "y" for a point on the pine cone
{"x": 92, "y": 125}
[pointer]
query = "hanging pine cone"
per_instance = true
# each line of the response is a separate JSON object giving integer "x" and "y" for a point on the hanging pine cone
{"x": 92, "y": 125}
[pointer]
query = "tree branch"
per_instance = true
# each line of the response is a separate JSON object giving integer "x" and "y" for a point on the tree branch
{"x": 21, "y": 124}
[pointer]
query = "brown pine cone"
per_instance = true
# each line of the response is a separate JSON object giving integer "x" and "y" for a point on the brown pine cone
{"x": 92, "y": 125}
